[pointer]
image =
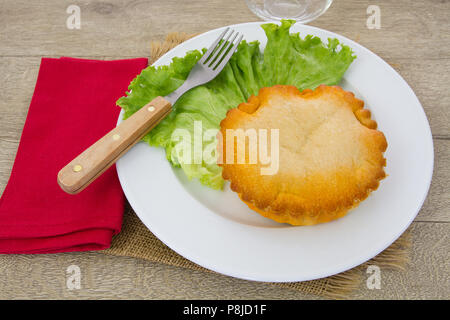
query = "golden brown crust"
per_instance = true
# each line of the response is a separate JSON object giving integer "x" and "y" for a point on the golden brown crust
{"x": 330, "y": 158}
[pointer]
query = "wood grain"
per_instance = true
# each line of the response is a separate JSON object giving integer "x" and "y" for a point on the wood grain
{"x": 414, "y": 38}
{"x": 118, "y": 27}
{"x": 92, "y": 162}
{"x": 107, "y": 277}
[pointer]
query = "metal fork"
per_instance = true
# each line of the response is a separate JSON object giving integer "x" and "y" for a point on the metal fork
{"x": 91, "y": 163}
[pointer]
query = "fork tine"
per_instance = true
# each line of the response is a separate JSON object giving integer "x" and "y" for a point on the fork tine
{"x": 213, "y": 46}
{"x": 219, "y": 50}
{"x": 227, "y": 55}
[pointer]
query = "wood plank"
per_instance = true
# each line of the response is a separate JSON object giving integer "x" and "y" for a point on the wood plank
{"x": 409, "y": 29}
{"x": 415, "y": 29}
{"x": 116, "y": 27}
{"x": 107, "y": 277}
{"x": 426, "y": 276}
{"x": 428, "y": 78}
{"x": 437, "y": 205}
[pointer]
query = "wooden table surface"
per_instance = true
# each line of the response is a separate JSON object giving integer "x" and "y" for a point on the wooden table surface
{"x": 414, "y": 38}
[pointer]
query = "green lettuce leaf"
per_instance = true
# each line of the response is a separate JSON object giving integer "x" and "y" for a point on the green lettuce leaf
{"x": 287, "y": 59}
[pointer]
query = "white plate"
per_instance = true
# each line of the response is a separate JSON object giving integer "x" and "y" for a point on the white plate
{"x": 217, "y": 231}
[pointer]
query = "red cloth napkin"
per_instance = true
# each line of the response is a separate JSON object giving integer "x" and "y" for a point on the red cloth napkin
{"x": 73, "y": 106}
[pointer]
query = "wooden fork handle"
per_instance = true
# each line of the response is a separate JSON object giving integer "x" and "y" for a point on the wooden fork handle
{"x": 90, "y": 164}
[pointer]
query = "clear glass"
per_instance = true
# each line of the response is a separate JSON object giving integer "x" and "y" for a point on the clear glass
{"x": 302, "y": 11}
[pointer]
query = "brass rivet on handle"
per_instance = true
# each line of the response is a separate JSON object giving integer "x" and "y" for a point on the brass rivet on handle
{"x": 77, "y": 168}
{"x": 116, "y": 137}
{"x": 151, "y": 108}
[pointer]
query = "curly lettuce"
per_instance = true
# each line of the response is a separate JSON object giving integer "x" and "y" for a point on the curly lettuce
{"x": 287, "y": 59}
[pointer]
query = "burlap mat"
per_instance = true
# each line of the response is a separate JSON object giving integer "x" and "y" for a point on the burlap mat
{"x": 135, "y": 240}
